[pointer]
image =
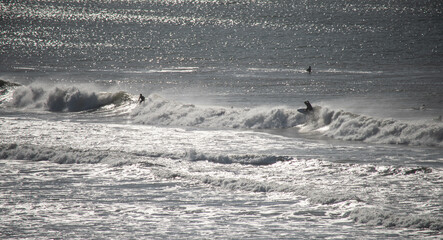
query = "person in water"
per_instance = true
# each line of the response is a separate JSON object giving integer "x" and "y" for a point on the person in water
{"x": 308, "y": 106}
{"x": 141, "y": 99}
{"x": 309, "y": 69}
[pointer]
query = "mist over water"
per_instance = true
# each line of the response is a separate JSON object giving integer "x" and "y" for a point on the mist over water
{"x": 221, "y": 148}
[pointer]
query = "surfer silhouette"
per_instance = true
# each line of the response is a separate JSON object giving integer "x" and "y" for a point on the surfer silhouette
{"x": 309, "y": 70}
{"x": 141, "y": 99}
{"x": 308, "y": 106}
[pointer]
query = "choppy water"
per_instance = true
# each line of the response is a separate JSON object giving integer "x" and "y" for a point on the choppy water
{"x": 219, "y": 148}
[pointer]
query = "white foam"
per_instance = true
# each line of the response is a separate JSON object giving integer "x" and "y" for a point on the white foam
{"x": 332, "y": 123}
{"x": 354, "y": 127}
{"x": 192, "y": 155}
{"x": 71, "y": 99}
{"x": 61, "y": 155}
{"x": 160, "y": 111}
{"x": 387, "y": 218}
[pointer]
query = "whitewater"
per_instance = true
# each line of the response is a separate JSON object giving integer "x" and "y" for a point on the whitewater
{"x": 221, "y": 147}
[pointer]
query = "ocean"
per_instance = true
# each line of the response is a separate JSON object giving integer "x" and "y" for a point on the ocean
{"x": 222, "y": 147}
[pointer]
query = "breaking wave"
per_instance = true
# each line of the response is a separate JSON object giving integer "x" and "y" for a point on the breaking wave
{"x": 62, "y": 155}
{"x": 161, "y": 111}
{"x": 386, "y": 218}
{"x": 59, "y": 99}
{"x": 158, "y": 110}
{"x": 6, "y": 90}
{"x": 67, "y": 155}
{"x": 257, "y": 160}
{"x": 353, "y": 127}
{"x": 332, "y": 123}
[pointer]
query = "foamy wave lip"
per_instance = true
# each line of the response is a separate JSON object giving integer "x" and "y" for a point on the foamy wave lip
{"x": 386, "y": 218}
{"x": 335, "y": 124}
{"x": 328, "y": 198}
{"x": 192, "y": 155}
{"x": 64, "y": 99}
{"x": 353, "y": 127}
{"x": 67, "y": 155}
{"x": 6, "y": 90}
{"x": 160, "y": 111}
{"x": 56, "y": 155}
{"x": 242, "y": 184}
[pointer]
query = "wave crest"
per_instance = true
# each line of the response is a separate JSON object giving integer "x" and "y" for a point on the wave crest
{"x": 63, "y": 155}
{"x": 353, "y": 127}
{"x": 60, "y": 99}
{"x": 192, "y": 155}
{"x": 6, "y": 90}
{"x": 160, "y": 111}
{"x": 379, "y": 217}
{"x": 336, "y": 124}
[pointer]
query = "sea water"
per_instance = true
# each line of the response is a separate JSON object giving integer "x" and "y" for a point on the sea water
{"x": 219, "y": 150}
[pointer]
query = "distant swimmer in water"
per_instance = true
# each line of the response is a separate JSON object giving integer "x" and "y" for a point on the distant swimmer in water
{"x": 141, "y": 99}
{"x": 309, "y": 70}
{"x": 308, "y": 106}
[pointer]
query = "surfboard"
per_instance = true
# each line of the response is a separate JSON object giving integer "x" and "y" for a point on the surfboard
{"x": 303, "y": 110}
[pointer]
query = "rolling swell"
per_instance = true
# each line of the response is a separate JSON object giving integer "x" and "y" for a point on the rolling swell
{"x": 256, "y": 160}
{"x": 161, "y": 111}
{"x": 61, "y": 155}
{"x": 388, "y": 218}
{"x": 353, "y": 127}
{"x": 69, "y": 155}
{"x": 336, "y": 124}
{"x": 60, "y": 99}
